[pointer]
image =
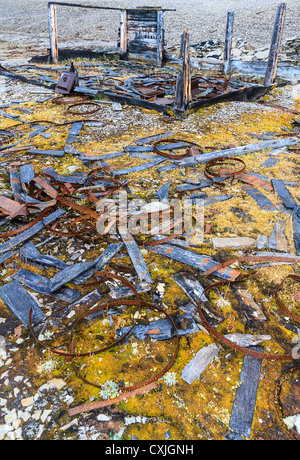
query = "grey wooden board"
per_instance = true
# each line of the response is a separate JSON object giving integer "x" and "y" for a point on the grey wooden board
{"x": 19, "y": 301}
{"x": 270, "y": 162}
{"x": 102, "y": 260}
{"x": 277, "y": 240}
{"x": 156, "y": 137}
{"x": 15, "y": 183}
{"x": 74, "y": 131}
{"x": 296, "y": 228}
{"x": 124, "y": 291}
{"x": 40, "y": 284}
{"x": 150, "y": 164}
{"x": 191, "y": 286}
{"x": 54, "y": 153}
{"x": 262, "y": 201}
{"x": 136, "y": 257}
{"x": 199, "y": 261}
{"x": 26, "y": 173}
{"x": 163, "y": 192}
{"x": 27, "y": 234}
{"x": 150, "y": 148}
{"x": 245, "y": 399}
{"x": 69, "y": 274}
{"x": 80, "y": 179}
{"x": 251, "y": 310}
{"x": 108, "y": 156}
{"x": 87, "y": 301}
{"x": 283, "y": 193}
{"x": 185, "y": 325}
{"x": 7, "y": 256}
{"x": 29, "y": 253}
{"x": 199, "y": 363}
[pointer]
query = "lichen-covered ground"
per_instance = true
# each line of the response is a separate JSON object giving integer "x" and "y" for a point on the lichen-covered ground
{"x": 38, "y": 387}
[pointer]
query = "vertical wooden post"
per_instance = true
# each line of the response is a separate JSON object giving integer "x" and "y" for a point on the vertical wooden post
{"x": 228, "y": 43}
{"x": 53, "y": 33}
{"x": 275, "y": 45}
{"x": 160, "y": 38}
{"x": 123, "y": 34}
{"x": 184, "y": 82}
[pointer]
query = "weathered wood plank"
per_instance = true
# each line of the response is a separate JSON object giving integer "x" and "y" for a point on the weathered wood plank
{"x": 136, "y": 257}
{"x": 161, "y": 329}
{"x": 277, "y": 240}
{"x": 27, "y": 234}
{"x": 29, "y": 254}
{"x": 53, "y": 33}
{"x": 244, "y": 150}
{"x": 124, "y": 34}
{"x": 228, "y": 43}
{"x": 199, "y": 261}
{"x": 275, "y": 45}
{"x": 262, "y": 201}
{"x": 245, "y": 400}
{"x": 102, "y": 260}
{"x": 19, "y": 301}
{"x": 284, "y": 194}
{"x": 296, "y": 228}
{"x": 40, "y": 284}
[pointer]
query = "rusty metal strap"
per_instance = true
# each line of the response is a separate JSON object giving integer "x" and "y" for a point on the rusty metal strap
{"x": 229, "y": 343}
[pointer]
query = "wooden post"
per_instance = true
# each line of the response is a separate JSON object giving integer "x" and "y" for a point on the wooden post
{"x": 275, "y": 45}
{"x": 123, "y": 34}
{"x": 53, "y": 33}
{"x": 184, "y": 82}
{"x": 228, "y": 43}
{"x": 160, "y": 38}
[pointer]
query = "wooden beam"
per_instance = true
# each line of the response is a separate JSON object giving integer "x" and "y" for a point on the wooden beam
{"x": 184, "y": 81}
{"x": 228, "y": 43}
{"x": 275, "y": 45}
{"x": 53, "y": 33}
{"x": 124, "y": 34}
{"x": 160, "y": 38}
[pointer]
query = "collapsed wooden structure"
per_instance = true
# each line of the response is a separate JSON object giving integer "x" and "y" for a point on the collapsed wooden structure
{"x": 141, "y": 31}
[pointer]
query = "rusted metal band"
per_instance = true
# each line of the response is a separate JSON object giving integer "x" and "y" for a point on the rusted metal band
{"x": 171, "y": 156}
{"x": 219, "y": 168}
{"x": 229, "y": 343}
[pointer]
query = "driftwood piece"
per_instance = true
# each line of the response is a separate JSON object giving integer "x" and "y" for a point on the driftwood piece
{"x": 54, "y": 153}
{"x": 199, "y": 261}
{"x": 40, "y": 284}
{"x": 244, "y": 150}
{"x": 150, "y": 164}
{"x": 26, "y": 173}
{"x": 19, "y": 301}
{"x": 245, "y": 399}
{"x": 27, "y": 234}
{"x": 275, "y": 45}
{"x": 163, "y": 192}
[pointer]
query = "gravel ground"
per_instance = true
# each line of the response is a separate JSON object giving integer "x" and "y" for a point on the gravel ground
{"x": 25, "y": 24}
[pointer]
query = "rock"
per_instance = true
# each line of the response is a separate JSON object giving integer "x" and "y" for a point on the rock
{"x": 234, "y": 243}
{"x": 293, "y": 422}
{"x": 27, "y": 401}
{"x": 4, "y": 429}
{"x": 3, "y": 354}
{"x": 261, "y": 241}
